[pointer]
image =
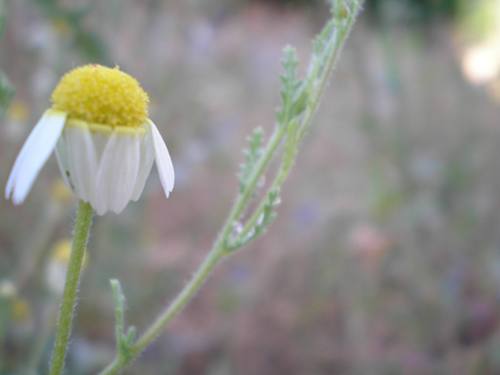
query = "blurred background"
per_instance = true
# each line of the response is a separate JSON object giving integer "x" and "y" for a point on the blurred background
{"x": 385, "y": 257}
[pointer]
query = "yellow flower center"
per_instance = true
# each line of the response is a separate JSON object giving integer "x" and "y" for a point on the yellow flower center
{"x": 97, "y": 94}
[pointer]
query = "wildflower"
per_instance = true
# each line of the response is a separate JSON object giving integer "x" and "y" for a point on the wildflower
{"x": 105, "y": 143}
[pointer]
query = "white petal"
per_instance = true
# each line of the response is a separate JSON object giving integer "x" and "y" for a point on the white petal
{"x": 82, "y": 161}
{"x": 117, "y": 172}
{"x": 99, "y": 202}
{"x": 33, "y": 155}
{"x": 28, "y": 145}
{"x": 72, "y": 163}
{"x": 163, "y": 161}
{"x": 145, "y": 164}
{"x": 101, "y": 140}
{"x": 62, "y": 161}
{"x": 128, "y": 172}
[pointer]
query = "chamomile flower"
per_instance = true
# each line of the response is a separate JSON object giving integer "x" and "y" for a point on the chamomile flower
{"x": 105, "y": 143}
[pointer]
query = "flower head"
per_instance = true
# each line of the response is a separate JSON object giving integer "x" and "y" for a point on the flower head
{"x": 105, "y": 143}
{"x": 97, "y": 94}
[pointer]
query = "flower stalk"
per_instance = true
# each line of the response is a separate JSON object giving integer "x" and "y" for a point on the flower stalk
{"x": 67, "y": 309}
{"x": 300, "y": 101}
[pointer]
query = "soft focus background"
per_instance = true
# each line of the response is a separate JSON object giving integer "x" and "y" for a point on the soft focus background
{"x": 385, "y": 258}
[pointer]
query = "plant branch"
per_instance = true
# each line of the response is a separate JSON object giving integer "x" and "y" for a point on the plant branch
{"x": 301, "y": 100}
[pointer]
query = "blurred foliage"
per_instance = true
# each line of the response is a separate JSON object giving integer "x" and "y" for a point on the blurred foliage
{"x": 291, "y": 2}
{"x": 6, "y": 93}
{"x": 71, "y": 19}
{"x": 478, "y": 18}
{"x": 6, "y": 89}
{"x": 3, "y": 16}
{"x": 419, "y": 10}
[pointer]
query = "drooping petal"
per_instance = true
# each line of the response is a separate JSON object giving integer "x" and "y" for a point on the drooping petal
{"x": 33, "y": 155}
{"x": 103, "y": 178}
{"x": 101, "y": 141}
{"x": 117, "y": 173}
{"x": 71, "y": 162}
{"x": 82, "y": 161}
{"x": 145, "y": 164}
{"x": 163, "y": 161}
{"x": 63, "y": 162}
{"x": 128, "y": 175}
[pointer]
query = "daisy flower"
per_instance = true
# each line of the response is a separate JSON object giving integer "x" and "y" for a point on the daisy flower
{"x": 105, "y": 143}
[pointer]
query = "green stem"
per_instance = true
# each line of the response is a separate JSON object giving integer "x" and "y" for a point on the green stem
{"x": 170, "y": 312}
{"x": 204, "y": 270}
{"x": 306, "y": 121}
{"x": 219, "y": 249}
{"x": 181, "y": 300}
{"x": 67, "y": 309}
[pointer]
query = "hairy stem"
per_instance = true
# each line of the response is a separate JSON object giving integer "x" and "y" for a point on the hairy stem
{"x": 67, "y": 309}
{"x": 306, "y": 121}
{"x": 204, "y": 270}
{"x": 220, "y": 248}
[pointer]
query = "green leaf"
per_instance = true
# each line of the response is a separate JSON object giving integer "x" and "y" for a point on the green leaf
{"x": 293, "y": 93}
{"x": 91, "y": 46}
{"x": 131, "y": 335}
{"x": 124, "y": 341}
{"x": 252, "y": 156}
{"x": 119, "y": 300}
{"x": 265, "y": 217}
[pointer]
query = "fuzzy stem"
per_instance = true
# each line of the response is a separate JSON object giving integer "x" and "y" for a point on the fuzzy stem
{"x": 220, "y": 249}
{"x": 66, "y": 313}
{"x": 307, "y": 120}
{"x": 204, "y": 270}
